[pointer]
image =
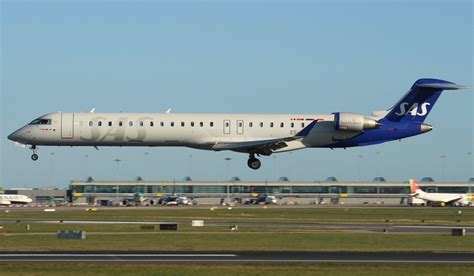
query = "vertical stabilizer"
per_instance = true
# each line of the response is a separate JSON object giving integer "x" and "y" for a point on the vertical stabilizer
{"x": 413, "y": 187}
{"x": 417, "y": 103}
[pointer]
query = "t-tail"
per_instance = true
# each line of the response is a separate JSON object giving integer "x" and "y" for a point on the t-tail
{"x": 417, "y": 103}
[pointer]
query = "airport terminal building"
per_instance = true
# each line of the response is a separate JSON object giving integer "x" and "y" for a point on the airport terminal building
{"x": 331, "y": 191}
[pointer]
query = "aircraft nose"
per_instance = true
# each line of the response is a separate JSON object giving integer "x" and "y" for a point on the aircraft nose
{"x": 19, "y": 136}
{"x": 13, "y": 136}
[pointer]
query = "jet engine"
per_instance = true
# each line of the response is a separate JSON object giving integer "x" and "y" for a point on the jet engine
{"x": 354, "y": 122}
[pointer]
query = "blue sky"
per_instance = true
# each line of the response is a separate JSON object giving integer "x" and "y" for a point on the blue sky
{"x": 237, "y": 56}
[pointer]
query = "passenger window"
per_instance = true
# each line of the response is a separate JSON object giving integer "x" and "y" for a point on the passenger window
{"x": 211, "y": 124}
{"x": 141, "y": 123}
{"x": 172, "y": 124}
{"x": 100, "y": 123}
{"x": 130, "y": 123}
{"x": 292, "y": 125}
{"x": 250, "y": 124}
{"x": 120, "y": 123}
{"x": 240, "y": 124}
{"x": 282, "y": 124}
{"x": 227, "y": 124}
{"x": 302, "y": 125}
{"x": 182, "y": 124}
{"x": 201, "y": 124}
{"x": 271, "y": 124}
{"x": 162, "y": 123}
{"x": 151, "y": 123}
{"x": 192, "y": 124}
{"x": 261, "y": 124}
{"x": 110, "y": 123}
{"x": 91, "y": 123}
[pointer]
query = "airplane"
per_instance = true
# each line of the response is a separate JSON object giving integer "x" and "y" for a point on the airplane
{"x": 262, "y": 199}
{"x": 174, "y": 199}
{"x": 442, "y": 199}
{"x": 253, "y": 134}
{"x": 137, "y": 199}
{"x": 14, "y": 199}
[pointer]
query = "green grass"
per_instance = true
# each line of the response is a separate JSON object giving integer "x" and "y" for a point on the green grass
{"x": 243, "y": 241}
{"x": 236, "y": 269}
{"x": 330, "y": 215}
{"x": 218, "y": 238}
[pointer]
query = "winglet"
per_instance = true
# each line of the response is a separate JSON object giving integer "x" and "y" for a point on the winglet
{"x": 305, "y": 131}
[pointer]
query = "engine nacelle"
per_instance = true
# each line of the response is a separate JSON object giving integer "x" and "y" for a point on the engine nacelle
{"x": 354, "y": 122}
{"x": 5, "y": 202}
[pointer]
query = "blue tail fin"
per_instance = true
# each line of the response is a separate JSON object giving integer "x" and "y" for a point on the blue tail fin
{"x": 419, "y": 100}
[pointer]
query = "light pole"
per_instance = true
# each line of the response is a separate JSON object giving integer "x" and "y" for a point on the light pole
{"x": 289, "y": 164}
{"x": 469, "y": 156}
{"x": 443, "y": 158}
{"x": 118, "y": 167}
{"x": 227, "y": 160}
{"x": 116, "y": 160}
{"x": 378, "y": 164}
{"x": 470, "y": 164}
{"x": 274, "y": 167}
{"x": 86, "y": 165}
{"x": 359, "y": 161}
{"x": 190, "y": 164}
{"x": 51, "y": 178}
{"x": 51, "y": 170}
{"x": 147, "y": 173}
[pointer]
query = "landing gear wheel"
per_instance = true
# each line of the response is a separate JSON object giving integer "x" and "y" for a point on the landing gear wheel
{"x": 254, "y": 163}
{"x": 34, "y": 157}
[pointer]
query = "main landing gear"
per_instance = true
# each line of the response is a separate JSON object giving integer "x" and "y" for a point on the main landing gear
{"x": 34, "y": 156}
{"x": 253, "y": 162}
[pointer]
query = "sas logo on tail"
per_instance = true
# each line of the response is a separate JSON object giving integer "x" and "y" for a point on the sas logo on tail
{"x": 413, "y": 110}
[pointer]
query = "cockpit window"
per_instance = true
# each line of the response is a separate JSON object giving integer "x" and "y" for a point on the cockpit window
{"x": 41, "y": 122}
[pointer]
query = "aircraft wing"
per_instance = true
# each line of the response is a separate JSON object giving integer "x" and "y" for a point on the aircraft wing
{"x": 451, "y": 200}
{"x": 264, "y": 147}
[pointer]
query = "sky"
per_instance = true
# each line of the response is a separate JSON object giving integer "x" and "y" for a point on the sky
{"x": 310, "y": 57}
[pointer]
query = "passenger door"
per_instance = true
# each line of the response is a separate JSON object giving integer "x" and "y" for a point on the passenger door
{"x": 67, "y": 125}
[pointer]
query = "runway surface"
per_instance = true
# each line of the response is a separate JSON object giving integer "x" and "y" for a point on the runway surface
{"x": 236, "y": 257}
{"x": 373, "y": 227}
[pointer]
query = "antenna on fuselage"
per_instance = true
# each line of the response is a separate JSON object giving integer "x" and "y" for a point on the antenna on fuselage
{"x": 92, "y": 110}
{"x": 168, "y": 111}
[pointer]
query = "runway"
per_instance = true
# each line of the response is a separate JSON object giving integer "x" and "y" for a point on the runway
{"x": 372, "y": 227}
{"x": 236, "y": 257}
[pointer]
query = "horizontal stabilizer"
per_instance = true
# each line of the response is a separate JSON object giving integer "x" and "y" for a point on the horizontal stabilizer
{"x": 444, "y": 86}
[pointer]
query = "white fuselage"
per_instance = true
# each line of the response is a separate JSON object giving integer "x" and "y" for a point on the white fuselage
{"x": 166, "y": 129}
{"x": 14, "y": 199}
{"x": 463, "y": 199}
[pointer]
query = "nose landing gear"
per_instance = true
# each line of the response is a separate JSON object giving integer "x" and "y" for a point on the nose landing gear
{"x": 34, "y": 156}
{"x": 253, "y": 162}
